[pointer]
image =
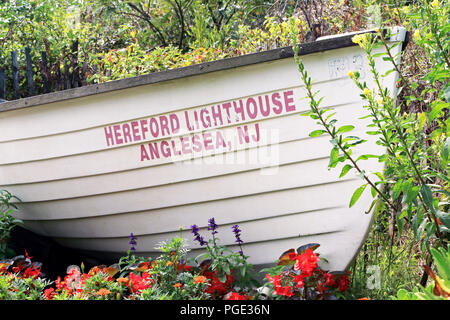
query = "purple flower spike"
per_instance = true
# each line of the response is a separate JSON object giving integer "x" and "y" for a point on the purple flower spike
{"x": 212, "y": 226}
{"x": 132, "y": 242}
{"x": 237, "y": 234}
{"x": 197, "y": 237}
{"x": 195, "y": 229}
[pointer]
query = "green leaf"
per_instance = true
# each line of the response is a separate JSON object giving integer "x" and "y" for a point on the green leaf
{"x": 427, "y": 196}
{"x": 334, "y": 154}
{"x": 397, "y": 189}
{"x": 400, "y": 224}
{"x": 345, "y": 169}
{"x": 367, "y": 156}
{"x": 345, "y": 129}
{"x": 357, "y": 194}
{"x": 383, "y": 158}
{"x": 416, "y": 221}
{"x": 420, "y": 229}
{"x": 306, "y": 113}
{"x": 243, "y": 270}
{"x": 442, "y": 262}
{"x": 444, "y": 218}
{"x": 222, "y": 278}
{"x": 447, "y": 93}
{"x": 226, "y": 268}
{"x": 402, "y": 294}
{"x": 437, "y": 108}
{"x": 317, "y": 133}
{"x": 388, "y": 72}
{"x": 406, "y": 188}
{"x": 445, "y": 150}
{"x": 373, "y": 191}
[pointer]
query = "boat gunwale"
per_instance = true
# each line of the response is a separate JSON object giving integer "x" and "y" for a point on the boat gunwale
{"x": 338, "y": 42}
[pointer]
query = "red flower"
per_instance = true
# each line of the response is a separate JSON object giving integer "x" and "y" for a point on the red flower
{"x": 237, "y": 296}
{"x": 216, "y": 287}
{"x": 32, "y": 273}
{"x": 27, "y": 255}
{"x": 72, "y": 280}
{"x": 306, "y": 262}
{"x": 182, "y": 266}
{"x": 138, "y": 283}
{"x": 299, "y": 281}
{"x": 58, "y": 283}
{"x": 279, "y": 288}
{"x": 49, "y": 293}
{"x": 320, "y": 287}
{"x": 284, "y": 291}
{"x": 343, "y": 283}
{"x": 329, "y": 280}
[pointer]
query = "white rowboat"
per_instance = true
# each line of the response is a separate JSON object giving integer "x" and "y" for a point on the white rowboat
{"x": 152, "y": 154}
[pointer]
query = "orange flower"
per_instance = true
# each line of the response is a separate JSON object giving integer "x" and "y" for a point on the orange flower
{"x": 94, "y": 271}
{"x": 122, "y": 280}
{"x": 177, "y": 285}
{"x": 103, "y": 292}
{"x": 144, "y": 266}
{"x": 199, "y": 279}
{"x": 169, "y": 263}
{"x": 363, "y": 299}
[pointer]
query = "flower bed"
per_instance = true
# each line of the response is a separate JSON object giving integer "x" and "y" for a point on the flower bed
{"x": 217, "y": 274}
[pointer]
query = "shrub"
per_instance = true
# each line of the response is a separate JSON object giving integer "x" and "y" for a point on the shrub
{"x": 7, "y": 222}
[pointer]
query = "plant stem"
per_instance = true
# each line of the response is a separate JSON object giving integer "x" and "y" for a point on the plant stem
{"x": 314, "y": 107}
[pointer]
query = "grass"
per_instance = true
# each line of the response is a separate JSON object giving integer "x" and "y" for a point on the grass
{"x": 382, "y": 268}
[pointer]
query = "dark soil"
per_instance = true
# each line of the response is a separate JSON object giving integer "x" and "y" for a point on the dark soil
{"x": 54, "y": 258}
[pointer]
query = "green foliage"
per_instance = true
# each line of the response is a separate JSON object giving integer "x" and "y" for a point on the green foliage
{"x": 274, "y": 34}
{"x": 382, "y": 267}
{"x": 407, "y": 152}
{"x": 14, "y": 287}
{"x": 7, "y": 222}
{"x": 225, "y": 262}
{"x": 439, "y": 289}
{"x": 407, "y": 168}
{"x": 411, "y": 194}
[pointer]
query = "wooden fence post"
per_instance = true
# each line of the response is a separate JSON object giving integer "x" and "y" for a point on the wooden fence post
{"x": 44, "y": 71}
{"x": 72, "y": 76}
{"x": 2, "y": 85}
{"x": 29, "y": 72}
{"x": 15, "y": 73}
{"x": 75, "y": 69}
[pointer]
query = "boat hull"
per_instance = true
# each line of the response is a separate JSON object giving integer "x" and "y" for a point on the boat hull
{"x": 154, "y": 158}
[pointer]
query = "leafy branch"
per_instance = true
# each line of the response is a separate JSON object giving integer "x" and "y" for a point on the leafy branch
{"x": 394, "y": 121}
{"x": 337, "y": 139}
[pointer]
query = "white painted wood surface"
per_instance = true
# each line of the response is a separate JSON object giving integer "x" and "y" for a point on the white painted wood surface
{"x": 91, "y": 196}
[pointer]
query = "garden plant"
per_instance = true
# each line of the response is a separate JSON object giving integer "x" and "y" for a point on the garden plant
{"x": 218, "y": 274}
